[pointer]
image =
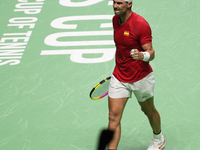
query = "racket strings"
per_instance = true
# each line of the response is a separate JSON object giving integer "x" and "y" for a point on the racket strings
{"x": 100, "y": 90}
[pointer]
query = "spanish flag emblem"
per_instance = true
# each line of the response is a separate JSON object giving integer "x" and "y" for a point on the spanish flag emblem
{"x": 126, "y": 33}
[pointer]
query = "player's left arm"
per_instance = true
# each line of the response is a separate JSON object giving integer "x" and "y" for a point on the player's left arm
{"x": 149, "y": 48}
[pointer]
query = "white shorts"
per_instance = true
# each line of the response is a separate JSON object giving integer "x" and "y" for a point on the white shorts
{"x": 143, "y": 89}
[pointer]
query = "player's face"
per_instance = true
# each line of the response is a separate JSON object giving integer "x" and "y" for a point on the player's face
{"x": 120, "y": 7}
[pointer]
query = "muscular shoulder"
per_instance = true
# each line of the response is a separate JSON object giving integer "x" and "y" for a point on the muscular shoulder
{"x": 140, "y": 25}
{"x": 138, "y": 21}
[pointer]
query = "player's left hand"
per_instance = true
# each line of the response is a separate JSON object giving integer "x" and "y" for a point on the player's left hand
{"x": 137, "y": 55}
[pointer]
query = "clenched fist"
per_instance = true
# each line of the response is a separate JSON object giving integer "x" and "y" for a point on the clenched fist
{"x": 136, "y": 54}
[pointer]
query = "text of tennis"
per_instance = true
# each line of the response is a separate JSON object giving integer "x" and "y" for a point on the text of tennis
{"x": 13, "y": 45}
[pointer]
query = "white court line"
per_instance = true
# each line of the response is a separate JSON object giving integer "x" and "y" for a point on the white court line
{"x": 110, "y": 3}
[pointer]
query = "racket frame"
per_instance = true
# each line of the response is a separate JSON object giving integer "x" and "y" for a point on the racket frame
{"x": 96, "y": 86}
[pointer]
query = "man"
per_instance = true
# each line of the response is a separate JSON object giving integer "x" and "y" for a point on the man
{"x": 132, "y": 73}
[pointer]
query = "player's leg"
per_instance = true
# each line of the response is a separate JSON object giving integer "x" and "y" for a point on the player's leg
{"x": 118, "y": 96}
{"x": 144, "y": 93}
{"x": 150, "y": 111}
{"x": 116, "y": 107}
{"x": 158, "y": 141}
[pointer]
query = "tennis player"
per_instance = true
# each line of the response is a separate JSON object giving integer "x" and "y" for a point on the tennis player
{"x": 132, "y": 73}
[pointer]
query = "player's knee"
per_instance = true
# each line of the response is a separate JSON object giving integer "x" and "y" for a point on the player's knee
{"x": 113, "y": 117}
{"x": 147, "y": 111}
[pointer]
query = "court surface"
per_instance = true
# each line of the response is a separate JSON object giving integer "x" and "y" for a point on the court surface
{"x": 53, "y": 52}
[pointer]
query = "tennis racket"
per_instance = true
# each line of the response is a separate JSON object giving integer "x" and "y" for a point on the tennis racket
{"x": 100, "y": 90}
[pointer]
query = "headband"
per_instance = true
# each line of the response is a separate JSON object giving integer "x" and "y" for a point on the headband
{"x": 128, "y": 0}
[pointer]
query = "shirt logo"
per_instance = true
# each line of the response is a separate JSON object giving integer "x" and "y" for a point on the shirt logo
{"x": 126, "y": 33}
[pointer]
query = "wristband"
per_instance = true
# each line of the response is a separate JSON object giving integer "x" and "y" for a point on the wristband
{"x": 146, "y": 56}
